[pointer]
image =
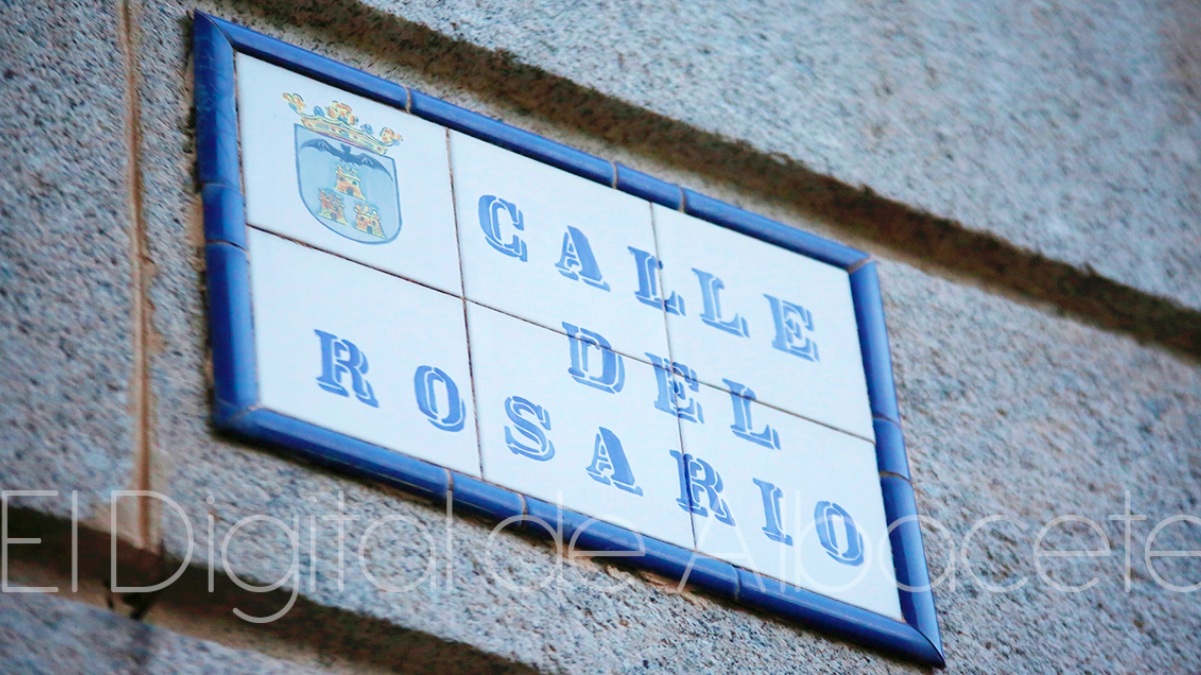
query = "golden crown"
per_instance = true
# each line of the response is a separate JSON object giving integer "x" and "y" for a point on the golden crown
{"x": 338, "y": 121}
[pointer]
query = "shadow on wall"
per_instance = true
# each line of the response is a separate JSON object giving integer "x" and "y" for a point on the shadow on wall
{"x": 1183, "y": 53}
{"x": 863, "y": 218}
{"x": 187, "y": 606}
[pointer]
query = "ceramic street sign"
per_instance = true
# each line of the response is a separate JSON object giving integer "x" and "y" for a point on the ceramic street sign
{"x": 431, "y": 297}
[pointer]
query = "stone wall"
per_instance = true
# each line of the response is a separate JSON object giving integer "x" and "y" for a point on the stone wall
{"x": 1028, "y": 174}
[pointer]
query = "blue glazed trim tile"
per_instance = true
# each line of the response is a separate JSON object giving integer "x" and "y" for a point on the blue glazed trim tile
{"x": 307, "y": 63}
{"x": 236, "y": 390}
{"x": 846, "y": 621}
{"x": 583, "y": 534}
{"x": 216, "y": 114}
{"x": 485, "y": 499}
{"x": 890, "y": 448}
{"x": 768, "y": 230}
{"x": 231, "y": 331}
{"x": 224, "y": 215}
{"x": 545, "y": 518}
{"x": 511, "y": 138}
{"x": 422, "y": 105}
{"x": 710, "y": 574}
{"x": 873, "y": 340}
{"x": 909, "y": 558}
{"x": 649, "y": 188}
{"x": 333, "y": 449}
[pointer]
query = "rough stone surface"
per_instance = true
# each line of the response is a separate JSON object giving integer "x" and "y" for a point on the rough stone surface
{"x": 1072, "y": 131}
{"x": 1009, "y": 409}
{"x": 47, "y": 634}
{"x": 66, "y": 290}
{"x": 1044, "y": 418}
{"x": 1086, "y": 416}
{"x": 565, "y": 628}
{"x": 1012, "y": 412}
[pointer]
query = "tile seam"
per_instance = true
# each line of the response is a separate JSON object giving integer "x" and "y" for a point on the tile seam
{"x": 857, "y": 214}
{"x": 672, "y": 359}
{"x": 475, "y": 401}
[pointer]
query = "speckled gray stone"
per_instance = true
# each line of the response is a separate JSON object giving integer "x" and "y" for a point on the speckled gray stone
{"x": 1087, "y": 415}
{"x": 1008, "y": 411}
{"x": 1008, "y": 408}
{"x": 48, "y": 634}
{"x": 66, "y": 289}
{"x": 1070, "y": 131}
{"x": 1011, "y": 411}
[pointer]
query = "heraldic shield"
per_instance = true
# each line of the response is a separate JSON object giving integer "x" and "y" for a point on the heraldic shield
{"x": 346, "y": 181}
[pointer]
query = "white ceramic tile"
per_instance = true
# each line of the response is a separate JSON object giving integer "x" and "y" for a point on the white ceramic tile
{"x": 758, "y": 295}
{"x": 361, "y": 352}
{"x": 808, "y": 464}
{"x": 540, "y": 427}
{"x": 327, "y": 191}
{"x": 551, "y": 247}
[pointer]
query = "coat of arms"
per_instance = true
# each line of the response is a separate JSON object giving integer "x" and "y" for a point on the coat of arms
{"x": 346, "y": 180}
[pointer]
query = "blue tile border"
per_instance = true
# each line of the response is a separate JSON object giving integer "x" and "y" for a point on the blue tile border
{"x": 216, "y": 110}
{"x": 839, "y": 618}
{"x": 766, "y": 229}
{"x": 236, "y": 388}
{"x": 231, "y": 331}
{"x": 224, "y": 214}
{"x": 307, "y": 63}
{"x": 485, "y": 499}
{"x": 649, "y": 188}
{"x": 511, "y": 138}
{"x": 890, "y": 448}
{"x": 909, "y": 558}
{"x": 873, "y": 342}
{"x": 339, "y": 451}
{"x": 669, "y": 560}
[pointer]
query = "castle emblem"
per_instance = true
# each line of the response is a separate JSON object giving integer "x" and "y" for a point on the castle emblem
{"x": 346, "y": 179}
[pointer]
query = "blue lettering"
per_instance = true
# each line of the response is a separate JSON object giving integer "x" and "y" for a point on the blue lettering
{"x": 791, "y": 323}
{"x": 771, "y": 509}
{"x": 648, "y": 284}
{"x": 848, "y": 550}
{"x": 534, "y": 431}
{"x": 612, "y": 369}
{"x": 710, "y": 291}
{"x": 490, "y": 208}
{"x": 609, "y": 464}
{"x": 341, "y": 358}
{"x": 741, "y": 396}
{"x": 699, "y": 480}
{"x": 577, "y": 255}
{"x": 427, "y": 399}
{"x": 675, "y": 381}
